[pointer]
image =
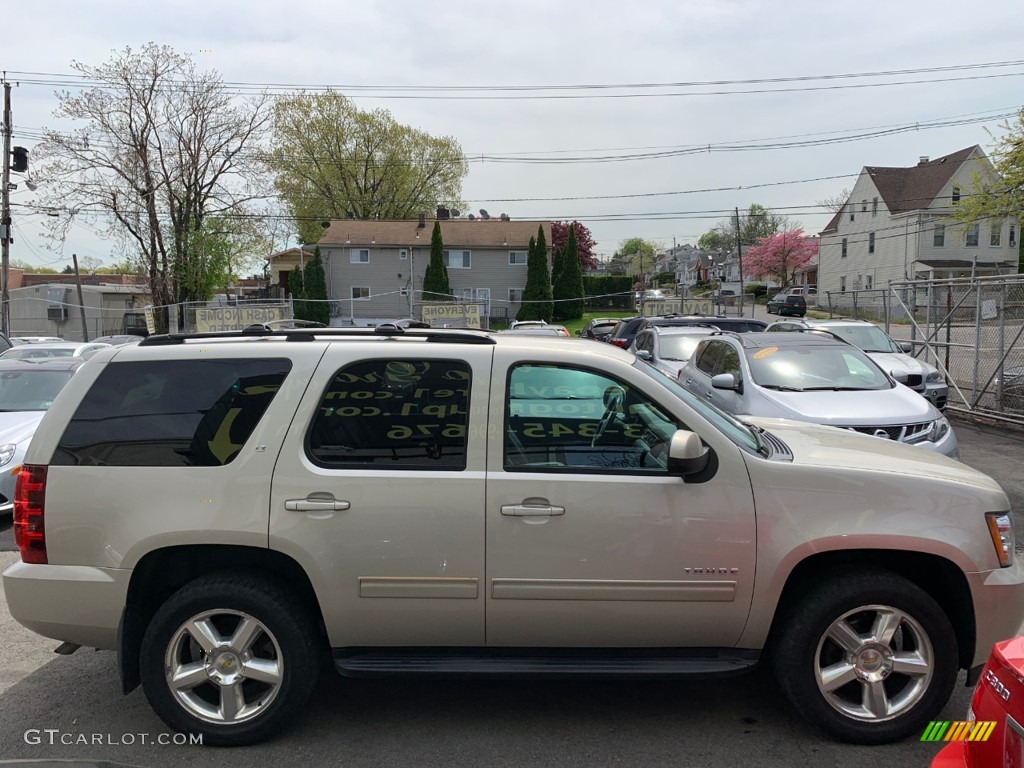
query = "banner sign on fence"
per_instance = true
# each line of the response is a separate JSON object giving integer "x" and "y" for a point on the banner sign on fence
{"x": 452, "y": 315}
{"x": 654, "y": 307}
{"x": 215, "y": 319}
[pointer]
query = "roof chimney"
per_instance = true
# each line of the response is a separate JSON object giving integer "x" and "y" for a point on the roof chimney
{"x": 423, "y": 221}
{"x": 922, "y": 160}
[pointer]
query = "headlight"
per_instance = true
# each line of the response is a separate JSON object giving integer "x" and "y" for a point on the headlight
{"x": 939, "y": 429}
{"x": 1000, "y": 526}
{"x": 7, "y": 451}
{"x": 934, "y": 376}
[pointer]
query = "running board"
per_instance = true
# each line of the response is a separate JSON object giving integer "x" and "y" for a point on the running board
{"x": 584, "y": 663}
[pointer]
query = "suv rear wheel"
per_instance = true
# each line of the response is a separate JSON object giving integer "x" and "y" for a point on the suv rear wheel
{"x": 868, "y": 657}
{"x": 229, "y": 657}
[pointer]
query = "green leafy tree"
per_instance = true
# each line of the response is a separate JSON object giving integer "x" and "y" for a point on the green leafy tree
{"x": 332, "y": 160}
{"x": 756, "y": 222}
{"x": 568, "y": 290}
{"x": 637, "y": 255}
{"x": 435, "y": 280}
{"x": 1000, "y": 195}
{"x": 314, "y": 288}
{"x": 537, "y": 294}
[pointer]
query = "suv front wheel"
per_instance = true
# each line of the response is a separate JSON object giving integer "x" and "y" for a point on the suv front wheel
{"x": 230, "y": 657}
{"x": 868, "y": 657}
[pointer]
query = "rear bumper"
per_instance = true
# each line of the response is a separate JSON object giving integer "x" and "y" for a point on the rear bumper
{"x": 73, "y": 603}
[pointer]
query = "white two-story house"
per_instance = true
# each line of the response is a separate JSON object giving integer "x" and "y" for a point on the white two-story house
{"x": 375, "y": 269}
{"x": 898, "y": 225}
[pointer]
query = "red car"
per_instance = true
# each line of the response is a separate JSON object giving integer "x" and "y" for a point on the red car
{"x": 996, "y": 737}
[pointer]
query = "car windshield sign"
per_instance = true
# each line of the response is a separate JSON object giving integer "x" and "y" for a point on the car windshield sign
{"x": 808, "y": 368}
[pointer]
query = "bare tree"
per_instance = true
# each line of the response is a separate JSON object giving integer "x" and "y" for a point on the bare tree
{"x": 163, "y": 148}
{"x": 836, "y": 202}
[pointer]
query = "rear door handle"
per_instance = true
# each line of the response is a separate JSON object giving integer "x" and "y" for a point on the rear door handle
{"x": 316, "y": 505}
{"x": 531, "y": 510}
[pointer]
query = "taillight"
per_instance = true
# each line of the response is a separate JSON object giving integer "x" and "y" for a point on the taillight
{"x": 619, "y": 342}
{"x": 29, "y": 497}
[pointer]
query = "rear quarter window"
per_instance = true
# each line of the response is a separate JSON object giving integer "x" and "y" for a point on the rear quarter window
{"x": 170, "y": 413}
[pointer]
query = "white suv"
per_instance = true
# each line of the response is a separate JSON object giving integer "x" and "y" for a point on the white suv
{"x": 232, "y": 512}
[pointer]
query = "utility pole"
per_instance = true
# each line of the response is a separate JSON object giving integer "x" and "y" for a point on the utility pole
{"x": 739, "y": 255}
{"x": 81, "y": 301}
{"x": 5, "y": 217}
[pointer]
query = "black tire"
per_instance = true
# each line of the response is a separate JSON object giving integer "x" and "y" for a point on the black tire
{"x": 801, "y": 645}
{"x": 289, "y": 637}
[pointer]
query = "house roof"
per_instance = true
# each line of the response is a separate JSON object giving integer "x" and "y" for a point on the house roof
{"x": 909, "y": 189}
{"x": 478, "y": 233}
{"x": 833, "y": 223}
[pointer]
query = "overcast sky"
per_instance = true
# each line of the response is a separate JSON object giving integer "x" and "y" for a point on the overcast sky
{"x": 547, "y": 42}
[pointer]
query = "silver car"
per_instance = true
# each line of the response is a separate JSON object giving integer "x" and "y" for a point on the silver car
{"x": 668, "y": 348}
{"x": 27, "y": 388}
{"x": 892, "y": 356}
{"x": 816, "y": 378}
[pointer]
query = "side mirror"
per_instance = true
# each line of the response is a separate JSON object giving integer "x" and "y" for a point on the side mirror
{"x": 907, "y": 347}
{"x": 726, "y": 381}
{"x": 901, "y": 376}
{"x": 644, "y": 354}
{"x": 687, "y": 455}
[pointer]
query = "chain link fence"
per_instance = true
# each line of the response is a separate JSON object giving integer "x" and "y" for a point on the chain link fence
{"x": 971, "y": 329}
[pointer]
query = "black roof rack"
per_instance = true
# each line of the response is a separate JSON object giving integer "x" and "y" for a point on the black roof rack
{"x": 453, "y": 336}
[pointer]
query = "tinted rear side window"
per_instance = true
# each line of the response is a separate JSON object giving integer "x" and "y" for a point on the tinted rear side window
{"x": 171, "y": 413}
{"x": 393, "y": 414}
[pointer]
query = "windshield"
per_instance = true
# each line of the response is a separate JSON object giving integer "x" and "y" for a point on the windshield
{"x": 736, "y": 431}
{"x": 808, "y": 368}
{"x": 30, "y": 351}
{"x": 678, "y": 347}
{"x": 870, "y": 338}
{"x": 30, "y": 390}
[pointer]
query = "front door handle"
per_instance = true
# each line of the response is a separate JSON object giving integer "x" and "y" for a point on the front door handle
{"x": 316, "y": 505}
{"x": 532, "y": 508}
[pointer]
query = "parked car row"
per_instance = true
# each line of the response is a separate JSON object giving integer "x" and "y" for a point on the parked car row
{"x": 841, "y": 372}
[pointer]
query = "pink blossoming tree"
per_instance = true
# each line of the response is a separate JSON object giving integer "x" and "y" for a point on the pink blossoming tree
{"x": 778, "y": 256}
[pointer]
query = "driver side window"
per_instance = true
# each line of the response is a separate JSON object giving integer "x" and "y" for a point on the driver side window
{"x": 566, "y": 419}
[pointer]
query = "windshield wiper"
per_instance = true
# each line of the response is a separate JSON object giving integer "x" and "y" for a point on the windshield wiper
{"x": 837, "y": 389}
{"x": 676, "y": 359}
{"x": 757, "y": 431}
{"x": 781, "y": 388}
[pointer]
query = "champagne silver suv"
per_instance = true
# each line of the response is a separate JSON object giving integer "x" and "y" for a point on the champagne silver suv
{"x": 234, "y": 512}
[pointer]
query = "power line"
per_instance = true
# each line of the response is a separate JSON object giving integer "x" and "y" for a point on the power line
{"x": 752, "y": 145}
{"x": 411, "y": 91}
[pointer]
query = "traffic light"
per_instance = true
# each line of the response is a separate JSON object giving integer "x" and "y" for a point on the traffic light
{"x": 20, "y": 164}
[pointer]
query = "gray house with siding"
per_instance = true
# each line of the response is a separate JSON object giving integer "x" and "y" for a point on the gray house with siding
{"x": 898, "y": 224}
{"x": 375, "y": 269}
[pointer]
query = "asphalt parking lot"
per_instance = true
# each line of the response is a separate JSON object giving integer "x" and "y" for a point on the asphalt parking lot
{"x": 734, "y": 722}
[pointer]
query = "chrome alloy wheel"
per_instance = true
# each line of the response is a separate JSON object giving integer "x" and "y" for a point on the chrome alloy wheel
{"x": 874, "y": 663}
{"x": 224, "y": 666}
